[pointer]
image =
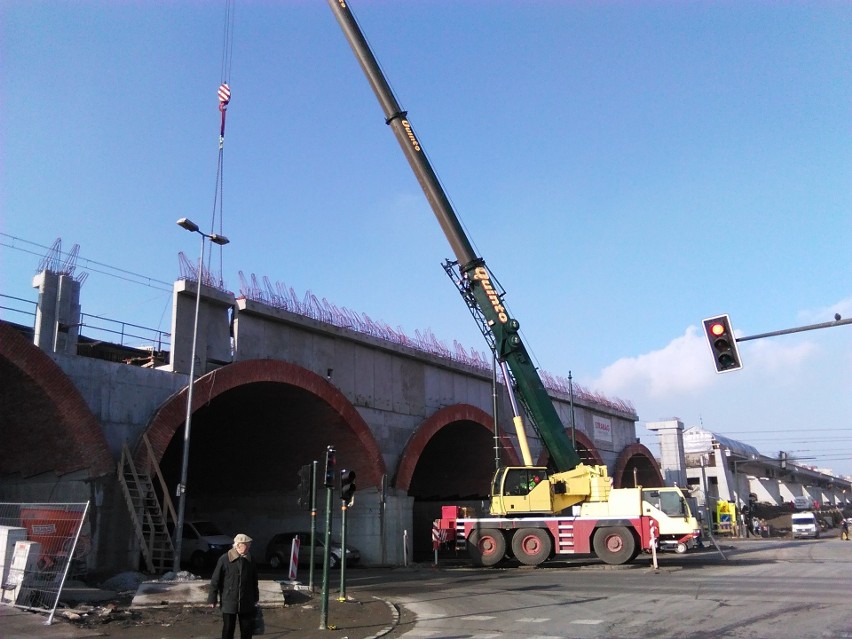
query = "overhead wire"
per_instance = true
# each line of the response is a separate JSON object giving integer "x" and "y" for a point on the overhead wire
{"x": 114, "y": 271}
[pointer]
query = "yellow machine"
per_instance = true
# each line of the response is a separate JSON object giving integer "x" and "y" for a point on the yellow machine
{"x": 519, "y": 491}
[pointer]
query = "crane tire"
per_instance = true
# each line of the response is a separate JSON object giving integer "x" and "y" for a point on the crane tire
{"x": 615, "y": 545}
{"x": 531, "y": 546}
{"x": 486, "y": 547}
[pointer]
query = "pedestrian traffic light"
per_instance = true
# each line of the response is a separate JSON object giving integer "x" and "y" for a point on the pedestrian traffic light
{"x": 330, "y": 463}
{"x": 347, "y": 486}
{"x": 306, "y": 489}
{"x": 723, "y": 344}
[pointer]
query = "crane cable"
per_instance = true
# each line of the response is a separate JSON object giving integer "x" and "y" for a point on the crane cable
{"x": 224, "y": 94}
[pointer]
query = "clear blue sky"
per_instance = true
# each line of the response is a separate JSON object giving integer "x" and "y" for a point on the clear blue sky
{"x": 625, "y": 168}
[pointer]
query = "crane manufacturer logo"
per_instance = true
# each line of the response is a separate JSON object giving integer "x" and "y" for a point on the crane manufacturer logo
{"x": 407, "y": 126}
{"x": 480, "y": 274}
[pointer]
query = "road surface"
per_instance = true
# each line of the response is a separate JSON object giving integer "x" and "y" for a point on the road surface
{"x": 768, "y": 589}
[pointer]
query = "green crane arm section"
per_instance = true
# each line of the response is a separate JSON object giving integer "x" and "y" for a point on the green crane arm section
{"x": 489, "y": 298}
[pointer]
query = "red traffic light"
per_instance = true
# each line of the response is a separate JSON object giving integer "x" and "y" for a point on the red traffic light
{"x": 723, "y": 345}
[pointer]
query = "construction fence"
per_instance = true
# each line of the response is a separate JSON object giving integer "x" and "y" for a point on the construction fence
{"x": 42, "y": 545}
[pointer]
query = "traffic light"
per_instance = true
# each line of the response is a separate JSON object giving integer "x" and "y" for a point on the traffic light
{"x": 330, "y": 463}
{"x": 347, "y": 486}
{"x": 723, "y": 344}
{"x": 306, "y": 489}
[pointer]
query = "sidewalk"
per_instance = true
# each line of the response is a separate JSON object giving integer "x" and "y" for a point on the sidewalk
{"x": 16, "y": 623}
{"x": 178, "y": 610}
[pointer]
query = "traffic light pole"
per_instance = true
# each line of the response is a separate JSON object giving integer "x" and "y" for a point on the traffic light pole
{"x": 811, "y": 327}
{"x": 326, "y": 555}
{"x": 723, "y": 343}
{"x": 343, "y": 509}
{"x": 347, "y": 498}
{"x": 330, "y": 471}
{"x": 313, "y": 524}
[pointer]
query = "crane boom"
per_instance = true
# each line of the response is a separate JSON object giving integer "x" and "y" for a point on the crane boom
{"x": 473, "y": 272}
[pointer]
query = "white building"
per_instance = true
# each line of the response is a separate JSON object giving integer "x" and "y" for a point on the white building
{"x": 721, "y": 468}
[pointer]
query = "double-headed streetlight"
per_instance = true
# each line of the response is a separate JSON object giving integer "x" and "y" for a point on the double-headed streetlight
{"x": 221, "y": 240}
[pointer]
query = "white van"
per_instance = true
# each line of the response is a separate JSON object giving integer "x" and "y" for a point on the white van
{"x": 805, "y": 524}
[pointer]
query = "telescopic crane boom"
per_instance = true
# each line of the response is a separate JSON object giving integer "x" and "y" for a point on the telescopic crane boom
{"x": 477, "y": 284}
{"x": 534, "y": 515}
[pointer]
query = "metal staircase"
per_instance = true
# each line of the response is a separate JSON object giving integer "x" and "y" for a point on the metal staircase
{"x": 151, "y": 519}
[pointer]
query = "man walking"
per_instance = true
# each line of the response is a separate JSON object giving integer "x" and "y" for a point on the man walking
{"x": 234, "y": 585}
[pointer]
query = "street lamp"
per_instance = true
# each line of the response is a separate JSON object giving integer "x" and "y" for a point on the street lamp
{"x": 221, "y": 240}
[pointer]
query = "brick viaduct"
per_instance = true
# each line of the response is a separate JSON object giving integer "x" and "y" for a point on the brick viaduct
{"x": 273, "y": 389}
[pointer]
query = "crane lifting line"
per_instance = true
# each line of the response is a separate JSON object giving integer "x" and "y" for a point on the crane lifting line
{"x": 227, "y": 57}
{"x": 224, "y": 95}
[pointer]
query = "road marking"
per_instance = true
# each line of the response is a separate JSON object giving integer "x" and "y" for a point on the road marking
{"x": 534, "y": 619}
{"x": 587, "y": 622}
{"x": 479, "y": 618}
{"x": 429, "y": 616}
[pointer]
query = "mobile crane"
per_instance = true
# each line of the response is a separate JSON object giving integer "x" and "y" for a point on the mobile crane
{"x": 527, "y": 503}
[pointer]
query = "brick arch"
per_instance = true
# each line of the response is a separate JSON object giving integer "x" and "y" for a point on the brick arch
{"x": 587, "y": 443}
{"x": 73, "y": 440}
{"x": 443, "y": 417}
{"x": 171, "y": 415}
{"x": 631, "y": 451}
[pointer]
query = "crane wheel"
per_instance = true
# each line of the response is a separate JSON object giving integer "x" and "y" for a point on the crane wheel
{"x": 615, "y": 545}
{"x": 486, "y": 547}
{"x": 531, "y": 546}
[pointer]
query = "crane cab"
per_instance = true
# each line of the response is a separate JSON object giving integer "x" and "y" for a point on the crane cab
{"x": 519, "y": 490}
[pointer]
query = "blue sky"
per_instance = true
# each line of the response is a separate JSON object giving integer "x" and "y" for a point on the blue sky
{"x": 625, "y": 168}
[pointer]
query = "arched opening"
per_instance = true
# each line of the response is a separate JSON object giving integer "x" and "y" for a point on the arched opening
{"x": 636, "y": 467}
{"x": 585, "y": 448}
{"x": 47, "y": 427}
{"x": 254, "y": 425}
{"x": 450, "y": 461}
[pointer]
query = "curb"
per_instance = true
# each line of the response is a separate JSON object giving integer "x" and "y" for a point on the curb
{"x": 394, "y": 619}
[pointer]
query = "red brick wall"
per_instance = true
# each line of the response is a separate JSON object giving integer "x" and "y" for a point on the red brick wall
{"x": 45, "y": 424}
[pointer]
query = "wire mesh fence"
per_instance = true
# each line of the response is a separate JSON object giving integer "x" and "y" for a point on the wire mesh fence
{"x": 42, "y": 545}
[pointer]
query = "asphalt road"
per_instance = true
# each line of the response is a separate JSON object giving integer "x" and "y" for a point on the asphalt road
{"x": 768, "y": 589}
{"x": 760, "y": 589}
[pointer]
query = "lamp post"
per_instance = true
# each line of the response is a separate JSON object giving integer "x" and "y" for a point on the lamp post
{"x": 221, "y": 240}
{"x": 736, "y": 463}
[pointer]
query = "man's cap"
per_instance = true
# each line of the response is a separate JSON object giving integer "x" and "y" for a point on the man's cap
{"x": 242, "y": 539}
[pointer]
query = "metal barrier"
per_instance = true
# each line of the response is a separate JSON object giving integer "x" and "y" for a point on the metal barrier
{"x": 41, "y": 546}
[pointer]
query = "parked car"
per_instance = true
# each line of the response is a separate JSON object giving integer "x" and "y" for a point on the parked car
{"x": 278, "y": 550}
{"x": 202, "y": 544}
